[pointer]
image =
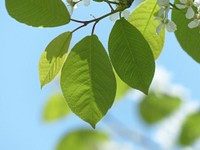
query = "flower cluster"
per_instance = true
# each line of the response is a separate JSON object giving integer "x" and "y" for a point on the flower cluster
{"x": 74, "y": 3}
{"x": 163, "y": 17}
{"x": 190, "y": 14}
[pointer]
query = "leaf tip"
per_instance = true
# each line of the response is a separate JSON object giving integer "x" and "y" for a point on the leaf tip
{"x": 41, "y": 85}
{"x": 93, "y": 125}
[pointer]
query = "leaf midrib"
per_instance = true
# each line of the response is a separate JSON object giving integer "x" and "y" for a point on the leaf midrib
{"x": 55, "y": 60}
{"x": 151, "y": 14}
{"x": 128, "y": 45}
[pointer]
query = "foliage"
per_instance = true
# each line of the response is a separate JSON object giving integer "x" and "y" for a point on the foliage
{"x": 82, "y": 140}
{"x": 157, "y": 106}
{"x": 55, "y": 108}
{"x": 87, "y": 78}
{"x": 190, "y": 130}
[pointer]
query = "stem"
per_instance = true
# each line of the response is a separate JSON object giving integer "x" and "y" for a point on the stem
{"x": 174, "y": 6}
{"x": 79, "y": 27}
{"x": 112, "y": 9}
{"x": 96, "y": 20}
{"x": 94, "y": 27}
{"x": 113, "y": 2}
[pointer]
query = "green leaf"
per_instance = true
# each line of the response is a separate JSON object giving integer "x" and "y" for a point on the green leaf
{"x": 156, "y": 107}
{"x": 122, "y": 88}
{"x": 131, "y": 56}
{"x": 143, "y": 19}
{"x": 39, "y": 13}
{"x": 55, "y": 108}
{"x": 87, "y": 80}
{"x": 82, "y": 140}
{"x": 53, "y": 58}
{"x": 190, "y": 131}
{"x": 187, "y": 38}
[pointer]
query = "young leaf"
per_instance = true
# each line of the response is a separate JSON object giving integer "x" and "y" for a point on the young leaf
{"x": 143, "y": 19}
{"x": 82, "y": 140}
{"x": 39, "y": 13}
{"x": 131, "y": 55}
{"x": 187, "y": 38}
{"x": 55, "y": 108}
{"x": 87, "y": 80}
{"x": 190, "y": 131}
{"x": 156, "y": 107}
{"x": 53, "y": 58}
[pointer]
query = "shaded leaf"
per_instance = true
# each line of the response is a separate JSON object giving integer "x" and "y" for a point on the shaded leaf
{"x": 156, "y": 107}
{"x": 39, "y": 13}
{"x": 187, "y": 38}
{"x": 190, "y": 131}
{"x": 53, "y": 58}
{"x": 143, "y": 19}
{"x": 87, "y": 80}
{"x": 82, "y": 140}
{"x": 56, "y": 108}
{"x": 131, "y": 55}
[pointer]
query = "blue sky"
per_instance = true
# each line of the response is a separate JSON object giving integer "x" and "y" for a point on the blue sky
{"x": 21, "y": 99}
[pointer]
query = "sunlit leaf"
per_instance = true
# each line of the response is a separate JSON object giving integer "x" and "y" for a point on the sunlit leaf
{"x": 187, "y": 38}
{"x": 82, "y": 140}
{"x": 87, "y": 80}
{"x": 156, "y": 107}
{"x": 143, "y": 19}
{"x": 190, "y": 131}
{"x": 53, "y": 58}
{"x": 122, "y": 88}
{"x": 38, "y": 13}
{"x": 131, "y": 55}
{"x": 55, "y": 108}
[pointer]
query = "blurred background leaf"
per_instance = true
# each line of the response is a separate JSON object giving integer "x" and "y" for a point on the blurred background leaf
{"x": 56, "y": 108}
{"x": 82, "y": 140}
{"x": 190, "y": 131}
{"x": 157, "y": 106}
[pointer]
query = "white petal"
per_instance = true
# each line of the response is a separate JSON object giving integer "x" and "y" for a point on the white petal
{"x": 70, "y": 9}
{"x": 180, "y": 6}
{"x": 170, "y": 26}
{"x": 86, "y": 2}
{"x": 163, "y": 3}
{"x": 161, "y": 12}
{"x": 190, "y": 13}
{"x": 193, "y": 24}
{"x": 166, "y": 12}
{"x": 68, "y": 1}
{"x": 159, "y": 27}
{"x": 158, "y": 18}
{"x": 126, "y": 14}
{"x": 114, "y": 16}
{"x": 184, "y": 1}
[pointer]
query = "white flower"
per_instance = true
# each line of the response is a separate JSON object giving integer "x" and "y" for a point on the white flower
{"x": 163, "y": 17}
{"x": 196, "y": 22}
{"x": 86, "y": 2}
{"x": 187, "y": 4}
{"x": 163, "y": 3}
{"x": 164, "y": 10}
{"x": 193, "y": 24}
{"x": 197, "y": 4}
{"x": 125, "y": 14}
{"x": 168, "y": 24}
{"x": 71, "y": 4}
